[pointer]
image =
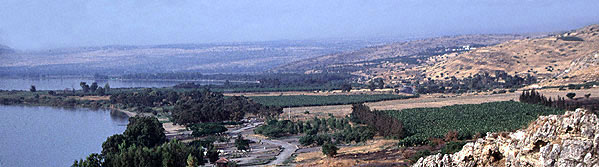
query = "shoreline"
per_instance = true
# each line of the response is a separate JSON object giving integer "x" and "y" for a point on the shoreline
{"x": 128, "y": 113}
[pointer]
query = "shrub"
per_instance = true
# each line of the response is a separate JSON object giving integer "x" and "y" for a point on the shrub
{"x": 571, "y": 95}
{"x": 419, "y": 154}
{"x": 329, "y": 149}
{"x": 203, "y": 129}
{"x": 452, "y": 147}
{"x": 570, "y": 38}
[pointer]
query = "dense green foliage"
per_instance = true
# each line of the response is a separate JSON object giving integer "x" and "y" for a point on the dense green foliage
{"x": 143, "y": 144}
{"x": 314, "y": 100}
{"x": 419, "y": 154}
{"x": 572, "y": 103}
{"x": 203, "y": 129}
{"x": 317, "y": 131}
{"x": 329, "y": 149}
{"x": 452, "y": 147}
{"x": 384, "y": 124}
{"x": 468, "y": 119}
{"x": 144, "y": 131}
{"x": 48, "y": 98}
{"x": 194, "y": 106}
{"x": 241, "y": 143}
{"x": 276, "y": 128}
{"x": 478, "y": 82}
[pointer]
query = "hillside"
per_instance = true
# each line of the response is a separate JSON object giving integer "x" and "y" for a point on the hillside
{"x": 401, "y": 52}
{"x": 248, "y": 57}
{"x": 5, "y": 49}
{"x": 571, "y": 139}
{"x": 569, "y": 57}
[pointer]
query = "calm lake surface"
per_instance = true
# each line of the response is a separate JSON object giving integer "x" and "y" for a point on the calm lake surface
{"x": 61, "y": 84}
{"x": 48, "y": 136}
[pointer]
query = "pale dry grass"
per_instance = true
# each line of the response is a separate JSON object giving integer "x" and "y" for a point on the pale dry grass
{"x": 318, "y": 159}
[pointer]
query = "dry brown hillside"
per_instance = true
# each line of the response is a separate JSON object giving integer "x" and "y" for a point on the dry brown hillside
{"x": 570, "y": 57}
{"x": 347, "y": 61}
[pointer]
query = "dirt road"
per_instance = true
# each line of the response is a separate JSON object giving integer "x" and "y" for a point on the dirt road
{"x": 288, "y": 148}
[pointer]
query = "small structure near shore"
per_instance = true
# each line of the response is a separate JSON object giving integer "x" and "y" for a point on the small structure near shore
{"x": 222, "y": 162}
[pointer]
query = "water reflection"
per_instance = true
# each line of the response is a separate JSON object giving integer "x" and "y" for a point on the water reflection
{"x": 53, "y": 136}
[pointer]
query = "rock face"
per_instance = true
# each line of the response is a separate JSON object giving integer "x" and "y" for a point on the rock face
{"x": 571, "y": 139}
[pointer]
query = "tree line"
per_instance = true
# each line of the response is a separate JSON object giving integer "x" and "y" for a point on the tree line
{"x": 144, "y": 144}
{"x": 572, "y": 103}
{"x": 384, "y": 124}
{"x": 196, "y": 106}
{"x": 478, "y": 82}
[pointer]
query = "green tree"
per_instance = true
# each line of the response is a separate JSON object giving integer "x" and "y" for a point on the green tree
{"x": 93, "y": 160}
{"x": 100, "y": 91}
{"x": 241, "y": 143}
{"x": 93, "y": 87}
{"x": 107, "y": 87}
{"x": 346, "y": 87}
{"x": 32, "y": 88}
{"x": 212, "y": 155}
{"x": 571, "y": 95}
{"x": 203, "y": 129}
{"x": 84, "y": 87}
{"x": 145, "y": 131}
{"x": 111, "y": 145}
{"x": 191, "y": 161}
{"x": 329, "y": 149}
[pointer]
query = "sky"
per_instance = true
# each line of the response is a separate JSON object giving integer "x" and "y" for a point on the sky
{"x": 42, "y": 24}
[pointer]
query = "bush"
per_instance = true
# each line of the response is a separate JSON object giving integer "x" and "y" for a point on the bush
{"x": 329, "y": 149}
{"x": 241, "y": 143}
{"x": 204, "y": 129}
{"x": 570, "y": 38}
{"x": 571, "y": 95}
{"x": 452, "y": 147}
{"x": 419, "y": 154}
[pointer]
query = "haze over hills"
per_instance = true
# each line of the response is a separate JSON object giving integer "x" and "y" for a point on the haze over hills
{"x": 569, "y": 57}
{"x": 249, "y": 57}
{"x": 5, "y": 49}
{"x": 401, "y": 52}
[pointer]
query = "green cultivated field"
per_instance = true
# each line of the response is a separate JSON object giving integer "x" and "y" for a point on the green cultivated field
{"x": 313, "y": 100}
{"x": 469, "y": 119}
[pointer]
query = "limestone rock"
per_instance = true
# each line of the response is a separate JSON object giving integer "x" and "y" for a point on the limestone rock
{"x": 571, "y": 139}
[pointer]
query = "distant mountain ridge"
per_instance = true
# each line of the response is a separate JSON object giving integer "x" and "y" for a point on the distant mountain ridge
{"x": 411, "y": 48}
{"x": 246, "y": 57}
{"x": 5, "y": 49}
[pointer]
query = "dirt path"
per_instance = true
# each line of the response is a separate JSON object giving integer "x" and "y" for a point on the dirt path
{"x": 288, "y": 148}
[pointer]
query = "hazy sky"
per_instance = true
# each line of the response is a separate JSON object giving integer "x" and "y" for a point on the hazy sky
{"x": 38, "y": 24}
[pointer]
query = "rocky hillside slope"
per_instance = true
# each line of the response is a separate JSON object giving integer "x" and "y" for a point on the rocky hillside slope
{"x": 558, "y": 59}
{"x": 571, "y": 139}
{"x": 394, "y": 50}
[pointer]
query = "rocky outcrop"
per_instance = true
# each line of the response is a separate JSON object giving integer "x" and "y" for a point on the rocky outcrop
{"x": 571, "y": 139}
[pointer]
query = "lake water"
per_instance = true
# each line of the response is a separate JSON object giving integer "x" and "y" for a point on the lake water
{"x": 48, "y": 136}
{"x": 61, "y": 84}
